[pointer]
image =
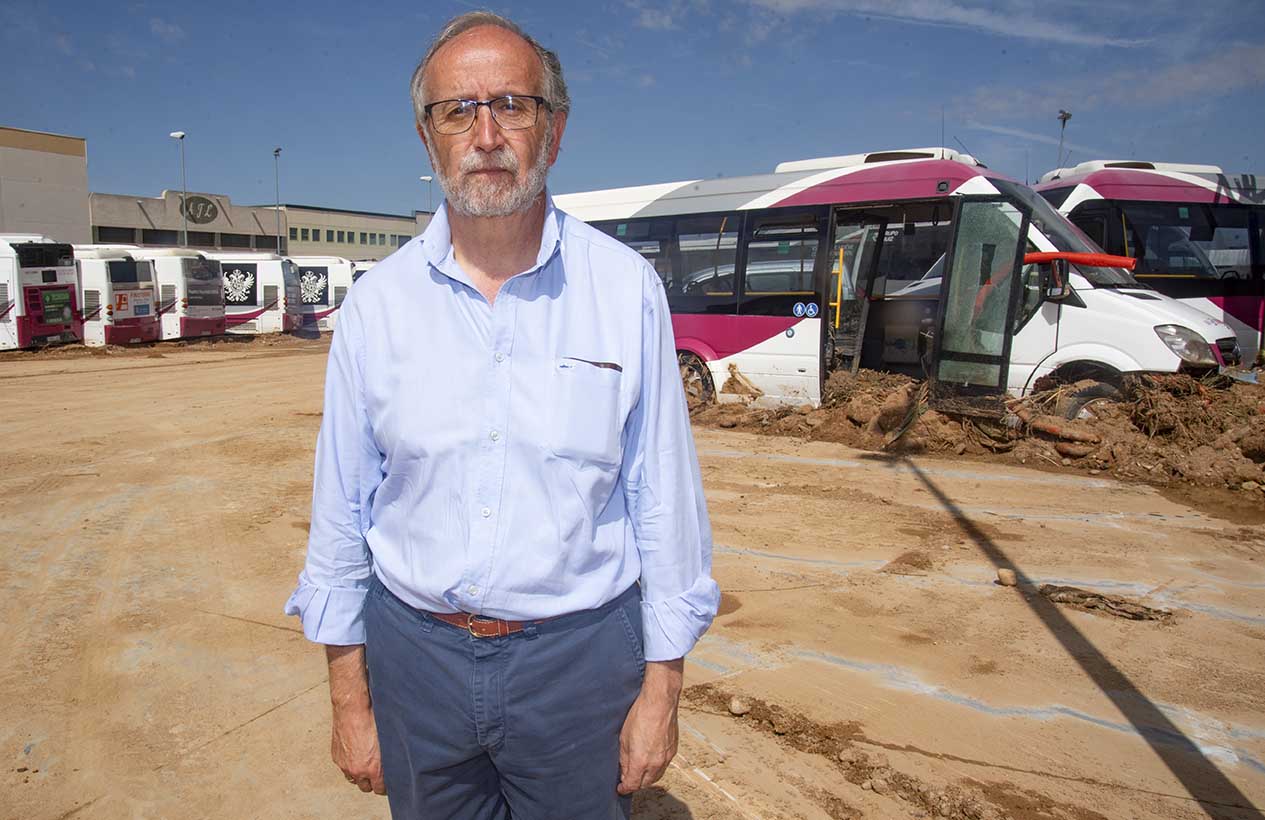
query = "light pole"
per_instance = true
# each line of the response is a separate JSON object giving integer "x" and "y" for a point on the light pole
{"x": 427, "y": 180}
{"x": 1064, "y": 116}
{"x": 276, "y": 178}
{"x": 178, "y": 136}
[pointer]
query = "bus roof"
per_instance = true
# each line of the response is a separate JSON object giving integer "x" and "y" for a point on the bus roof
{"x": 876, "y": 177}
{"x": 159, "y": 253}
{"x": 1155, "y": 182}
{"x": 82, "y": 252}
{"x": 244, "y": 256}
{"x": 342, "y": 260}
{"x": 23, "y": 238}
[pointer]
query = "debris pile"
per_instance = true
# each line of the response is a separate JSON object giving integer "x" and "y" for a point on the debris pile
{"x": 1161, "y": 429}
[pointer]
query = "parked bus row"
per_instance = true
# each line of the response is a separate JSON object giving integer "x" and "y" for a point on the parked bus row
{"x": 56, "y": 293}
{"x": 922, "y": 260}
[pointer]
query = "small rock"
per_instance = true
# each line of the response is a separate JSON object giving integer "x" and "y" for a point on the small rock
{"x": 728, "y": 423}
{"x": 880, "y": 786}
{"x": 854, "y": 757}
{"x": 1067, "y": 462}
{"x": 779, "y": 729}
{"x": 1007, "y": 577}
{"x": 738, "y": 706}
{"x": 1250, "y": 485}
{"x": 879, "y": 760}
{"x": 868, "y": 786}
{"x": 1095, "y": 472}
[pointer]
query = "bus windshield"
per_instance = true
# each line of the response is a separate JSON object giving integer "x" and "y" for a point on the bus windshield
{"x": 1067, "y": 237}
{"x": 203, "y": 286}
{"x": 130, "y": 272}
{"x": 1204, "y": 241}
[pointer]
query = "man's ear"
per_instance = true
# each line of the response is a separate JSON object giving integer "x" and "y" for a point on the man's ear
{"x": 421, "y": 132}
{"x": 559, "y": 125}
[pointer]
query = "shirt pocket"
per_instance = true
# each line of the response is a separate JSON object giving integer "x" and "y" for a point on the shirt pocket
{"x": 585, "y": 422}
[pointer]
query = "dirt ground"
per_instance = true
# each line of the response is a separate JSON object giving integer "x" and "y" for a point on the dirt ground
{"x": 866, "y": 663}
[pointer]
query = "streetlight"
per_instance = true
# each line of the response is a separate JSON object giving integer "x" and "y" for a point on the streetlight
{"x": 427, "y": 180}
{"x": 1064, "y": 116}
{"x": 184, "y": 189}
{"x": 276, "y": 178}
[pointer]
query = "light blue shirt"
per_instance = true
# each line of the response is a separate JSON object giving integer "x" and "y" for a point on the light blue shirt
{"x": 518, "y": 460}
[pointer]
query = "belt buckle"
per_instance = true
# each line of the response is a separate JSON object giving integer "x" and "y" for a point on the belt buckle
{"x": 472, "y": 620}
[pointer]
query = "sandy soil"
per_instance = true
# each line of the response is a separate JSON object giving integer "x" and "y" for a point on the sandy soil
{"x": 153, "y": 508}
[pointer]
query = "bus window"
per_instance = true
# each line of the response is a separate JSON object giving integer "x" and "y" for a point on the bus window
{"x": 706, "y": 259}
{"x": 130, "y": 272}
{"x": 781, "y": 256}
{"x": 1171, "y": 238}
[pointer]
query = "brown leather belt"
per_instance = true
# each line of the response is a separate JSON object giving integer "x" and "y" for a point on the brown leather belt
{"x": 481, "y": 627}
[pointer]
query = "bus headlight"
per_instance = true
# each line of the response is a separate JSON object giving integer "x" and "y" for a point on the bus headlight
{"x": 1187, "y": 344}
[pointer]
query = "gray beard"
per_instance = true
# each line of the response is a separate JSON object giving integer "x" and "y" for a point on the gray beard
{"x": 471, "y": 198}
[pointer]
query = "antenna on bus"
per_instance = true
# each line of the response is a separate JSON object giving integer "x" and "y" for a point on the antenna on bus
{"x": 963, "y": 144}
{"x": 942, "y": 131}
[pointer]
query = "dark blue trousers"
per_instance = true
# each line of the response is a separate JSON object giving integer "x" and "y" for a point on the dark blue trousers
{"x": 523, "y": 727}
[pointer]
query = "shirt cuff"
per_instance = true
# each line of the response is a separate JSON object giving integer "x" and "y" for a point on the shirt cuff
{"x": 330, "y": 615}
{"x": 672, "y": 627}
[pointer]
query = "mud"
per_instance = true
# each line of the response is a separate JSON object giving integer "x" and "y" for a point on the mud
{"x": 1169, "y": 431}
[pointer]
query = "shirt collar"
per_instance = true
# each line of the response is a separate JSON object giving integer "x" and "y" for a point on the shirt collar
{"x": 437, "y": 241}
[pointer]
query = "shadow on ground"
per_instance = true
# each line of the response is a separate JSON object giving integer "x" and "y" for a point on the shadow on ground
{"x": 657, "y": 803}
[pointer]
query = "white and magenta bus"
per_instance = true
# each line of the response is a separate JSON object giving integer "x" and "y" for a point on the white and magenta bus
{"x": 1195, "y": 231}
{"x": 261, "y": 292}
{"x": 118, "y": 297}
{"x": 860, "y": 260}
{"x": 39, "y": 294}
{"x": 323, "y": 284}
{"x": 190, "y": 292}
{"x": 360, "y": 267}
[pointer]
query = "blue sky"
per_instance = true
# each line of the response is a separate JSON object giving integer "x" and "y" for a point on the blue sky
{"x": 662, "y": 90}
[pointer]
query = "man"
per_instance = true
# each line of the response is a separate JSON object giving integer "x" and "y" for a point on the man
{"x": 509, "y": 554}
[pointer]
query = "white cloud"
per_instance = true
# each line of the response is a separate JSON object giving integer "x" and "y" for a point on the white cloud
{"x": 167, "y": 32}
{"x": 1032, "y": 136}
{"x": 645, "y": 80}
{"x": 1232, "y": 68}
{"x": 1020, "y": 19}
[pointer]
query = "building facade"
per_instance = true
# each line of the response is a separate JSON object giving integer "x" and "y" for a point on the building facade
{"x": 351, "y": 234}
{"x": 44, "y": 185}
{"x": 212, "y": 221}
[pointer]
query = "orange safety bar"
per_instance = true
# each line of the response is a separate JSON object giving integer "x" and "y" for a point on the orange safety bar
{"x": 1098, "y": 260}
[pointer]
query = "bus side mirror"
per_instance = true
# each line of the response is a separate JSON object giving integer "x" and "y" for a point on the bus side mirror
{"x": 1054, "y": 280}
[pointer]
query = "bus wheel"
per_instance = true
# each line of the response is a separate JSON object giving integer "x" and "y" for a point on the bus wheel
{"x": 1079, "y": 403}
{"x": 696, "y": 379}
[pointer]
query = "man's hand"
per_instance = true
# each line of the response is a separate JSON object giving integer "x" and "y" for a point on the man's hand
{"x": 354, "y": 742}
{"x": 648, "y": 740}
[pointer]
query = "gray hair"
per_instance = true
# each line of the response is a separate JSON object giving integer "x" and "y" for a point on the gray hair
{"x": 554, "y": 86}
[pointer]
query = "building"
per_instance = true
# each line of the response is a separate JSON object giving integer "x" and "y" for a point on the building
{"x": 351, "y": 234}
{"x": 44, "y": 184}
{"x": 212, "y": 221}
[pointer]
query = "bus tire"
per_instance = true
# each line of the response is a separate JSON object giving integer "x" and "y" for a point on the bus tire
{"x": 1079, "y": 402}
{"x": 696, "y": 379}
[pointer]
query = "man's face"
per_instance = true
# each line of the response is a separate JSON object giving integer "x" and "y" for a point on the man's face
{"x": 489, "y": 171}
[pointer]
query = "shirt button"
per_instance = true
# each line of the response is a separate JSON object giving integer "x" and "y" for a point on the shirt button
{"x": 485, "y": 512}
{"x": 500, "y": 357}
{"x": 472, "y": 589}
{"x": 495, "y": 436}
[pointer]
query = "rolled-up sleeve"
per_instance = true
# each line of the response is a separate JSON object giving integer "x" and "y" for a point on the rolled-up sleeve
{"x": 664, "y": 494}
{"x": 330, "y": 596}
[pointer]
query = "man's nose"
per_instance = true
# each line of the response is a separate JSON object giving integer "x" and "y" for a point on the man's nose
{"x": 487, "y": 134}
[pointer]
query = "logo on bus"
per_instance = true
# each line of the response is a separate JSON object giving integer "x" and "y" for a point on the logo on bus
{"x": 200, "y": 210}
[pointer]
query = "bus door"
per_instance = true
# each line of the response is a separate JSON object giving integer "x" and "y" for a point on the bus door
{"x": 980, "y": 292}
{"x": 853, "y": 260}
{"x": 782, "y": 282}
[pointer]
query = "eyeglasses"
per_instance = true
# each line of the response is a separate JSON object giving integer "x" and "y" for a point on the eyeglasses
{"x": 513, "y": 112}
